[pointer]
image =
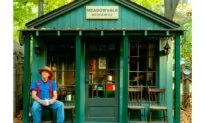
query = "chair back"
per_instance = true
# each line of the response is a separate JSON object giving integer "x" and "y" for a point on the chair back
{"x": 135, "y": 94}
{"x": 157, "y": 96}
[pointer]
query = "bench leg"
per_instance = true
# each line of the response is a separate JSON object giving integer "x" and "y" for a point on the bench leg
{"x": 72, "y": 115}
{"x": 164, "y": 115}
{"x": 129, "y": 114}
{"x": 144, "y": 115}
{"x": 150, "y": 116}
{"x": 140, "y": 115}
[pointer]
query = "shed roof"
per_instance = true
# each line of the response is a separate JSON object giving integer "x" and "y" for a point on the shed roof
{"x": 127, "y": 3}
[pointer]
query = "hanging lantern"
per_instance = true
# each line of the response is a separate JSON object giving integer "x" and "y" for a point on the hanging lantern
{"x": 167, "y": 49}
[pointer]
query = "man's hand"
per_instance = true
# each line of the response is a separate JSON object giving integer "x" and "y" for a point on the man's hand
{"x": 55, "y": 95}
{"x": 38, "y": 99}
{"x": 43, "y": 102}
{"x": 51, "y": 101}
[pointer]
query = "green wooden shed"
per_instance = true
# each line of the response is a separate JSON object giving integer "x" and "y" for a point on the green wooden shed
{"x": 99, "y": 51}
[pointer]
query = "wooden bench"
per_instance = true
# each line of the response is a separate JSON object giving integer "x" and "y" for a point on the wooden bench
{"x": 72, "y": 108}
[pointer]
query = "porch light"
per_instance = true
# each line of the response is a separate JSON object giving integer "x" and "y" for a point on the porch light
{"x": 167, "y": 48}
{"x": 37, "y": 49}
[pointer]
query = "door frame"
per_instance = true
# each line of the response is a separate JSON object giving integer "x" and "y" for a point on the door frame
{"x": 117, "y": 72}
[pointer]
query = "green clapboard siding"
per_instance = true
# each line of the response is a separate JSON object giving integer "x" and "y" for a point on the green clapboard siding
{"x": 165, "y": 78}
{"x": 38, "y": 61}
{"x": 127, "y": 19}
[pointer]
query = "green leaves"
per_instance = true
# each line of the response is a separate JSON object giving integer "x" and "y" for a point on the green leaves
{"x": 23, "y": 12}
{"x": 153, "y": 5}
{"x": 183, "y": 16}
{"x": 50, "y": 5}
{"x": 27, "y": 10}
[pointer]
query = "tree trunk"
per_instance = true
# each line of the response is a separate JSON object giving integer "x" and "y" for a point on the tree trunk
{"x": 186, "y": 94}
{"x": 185, "y": 91}
{"x": 40, "y": 7}
{"x": 170, "y": 8}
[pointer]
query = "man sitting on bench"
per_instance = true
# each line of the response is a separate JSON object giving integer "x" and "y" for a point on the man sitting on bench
{"x": 44, "y": 93}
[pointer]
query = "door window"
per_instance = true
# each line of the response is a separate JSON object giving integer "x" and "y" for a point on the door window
{"x": 101, "y": 70}
{"x": 101, "y": 77}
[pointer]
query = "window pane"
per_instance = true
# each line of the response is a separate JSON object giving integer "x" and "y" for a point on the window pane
{"x": 151, "y": 64}
{"x": 133, "y": 64}
{"x": 150, "y": 78}
{"x": 142, "y": 64}
{"x": 134, "y": 49}
{"x": 143, "y": 49}
{"x": 151, "y": 51}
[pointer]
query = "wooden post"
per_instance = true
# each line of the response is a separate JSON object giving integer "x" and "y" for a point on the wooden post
{"x": 125, "y": 78}
{"x": 80, "y": 81}
{"x": 121, "y": 84}
{"x": 27, "y": 79}
{"x": 177, "y": 80}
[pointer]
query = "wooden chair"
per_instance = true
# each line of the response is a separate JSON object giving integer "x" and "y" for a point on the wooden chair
{"x": 135, "y": 99}
{"x": 157, "y": 99}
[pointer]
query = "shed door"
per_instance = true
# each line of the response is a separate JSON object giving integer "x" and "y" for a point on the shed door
{"x": 102, "y": 81}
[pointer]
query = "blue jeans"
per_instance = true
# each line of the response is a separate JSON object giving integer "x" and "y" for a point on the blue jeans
{"x": 36, "y": 111}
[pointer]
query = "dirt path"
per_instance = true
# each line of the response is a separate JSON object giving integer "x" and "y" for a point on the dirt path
{"x": 18, "y": 118}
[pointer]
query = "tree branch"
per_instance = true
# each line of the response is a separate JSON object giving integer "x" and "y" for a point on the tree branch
{"x": 170, "y": 8}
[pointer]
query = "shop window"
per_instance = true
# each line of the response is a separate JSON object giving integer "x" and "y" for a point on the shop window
{"x": 142, "y": 65}
{"x": 61, "y": 59}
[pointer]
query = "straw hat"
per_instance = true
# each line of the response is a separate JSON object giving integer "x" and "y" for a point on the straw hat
{"x": 48, "y": 69}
